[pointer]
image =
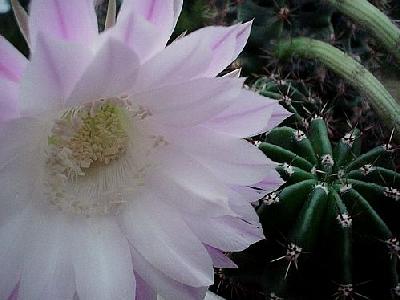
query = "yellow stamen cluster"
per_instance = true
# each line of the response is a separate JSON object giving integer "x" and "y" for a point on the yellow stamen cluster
{"x": 85, "y": 139}
{"x": 91, "y": 135}
{"x": 101, "y": 137}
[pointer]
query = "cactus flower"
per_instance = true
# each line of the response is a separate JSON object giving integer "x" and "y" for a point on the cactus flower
{"x": 124, "y": 169}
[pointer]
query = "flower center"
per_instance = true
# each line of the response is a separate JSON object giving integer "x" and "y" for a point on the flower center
{"x": 93, "y": 134}
{"x": 82, "y": 142}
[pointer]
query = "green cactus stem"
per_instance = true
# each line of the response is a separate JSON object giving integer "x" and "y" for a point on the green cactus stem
{"x": 336, "y": 210}
{"x": 372, "y": 19}
{"x": 352, "y": 71}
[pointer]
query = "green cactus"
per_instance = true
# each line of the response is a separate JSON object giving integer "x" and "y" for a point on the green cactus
{"x": 298, "y": 98}
{"x": 356, "y": 28}
{"x": 336, "y": 212}
{"x": 354, "y": 73}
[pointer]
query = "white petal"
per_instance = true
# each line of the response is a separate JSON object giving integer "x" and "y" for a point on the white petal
{"x": 72, "y": 20}
{"x": 152, "y": 228}
{"x": 250, "y": 114}
{"x": 226, "y": 44}
{"x": 212, "y": 296}
{"x": 47, "y": 269}
{"x": 181, "y": 61}
{"x": 12, "y": 240}
{"x": 220, "y": 260}
{"x": 165, "y": 286}
{"x": 8, "y": 100}
{"x": 14, "y": 294}
{"x": 12, "y": 62}
{"x": 143, "y": 290}
{"x": 193, "y": 182}
{"x": 225, "y": 233}
{"x": 241, "y": 205}
{"x": 177, "y": 10}
{"x": 54, "y": 69}
{"x": 232, "y": 160}
{"x": 186, "y": 194}
{"x": 146, "y": 26}
{"x": 140, "y": 35}
{"x": 111, "y": 73}
{"x": 190, "y": 103}
{"x": 102, "y": 261}
{"x": 271, "y": 182}
{"x": 203, "y": 53}
{"x": 19, "y": 162}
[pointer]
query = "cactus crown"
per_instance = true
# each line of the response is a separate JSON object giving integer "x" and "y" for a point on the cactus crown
{"x": 334, "y": 205}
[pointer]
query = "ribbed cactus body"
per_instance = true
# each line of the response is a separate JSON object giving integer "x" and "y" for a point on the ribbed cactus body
{"x": 335, "y": 202}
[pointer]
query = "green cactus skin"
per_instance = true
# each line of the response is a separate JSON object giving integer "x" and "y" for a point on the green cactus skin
{"x": 372, "y": 19}
{"x": 333, "y": 198}
{"x": 352, "y": 71}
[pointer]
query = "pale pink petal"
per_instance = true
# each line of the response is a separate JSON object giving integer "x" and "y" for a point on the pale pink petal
{"x": 212, "y": 296}
{"x": 183, "y": 257}
{"x": 249, "y": 193}
{"x": 146, "y": 26}
{"x": 184, "y": 183}
{"x": 138, "y": 34}
{"x": 111, "y": 73}
{"x": 220, "y": 260}
{"x": 181, "y": 61}
{"x": 165, "y": 286}
{"x": 232, "y": 160}
{"x": 279, "y": 114}
{"x": 271, "y": 182}
{"x": 20, "y": 161}
{"x": 54, "y": 69}
{"x": 14, "y": 294}
{"x": 188, "y": 198}
{"x": 143, "y": 290}
{"x": 226, "y": 44}
{"x": 161, "y": 13}
{"x": 72, "y": 20}
{"x": 102, "y": 261}
{"x": 217, "y": 47}
{"x": 47, "y": 270}
{"x": 190, "y": 103}
{"x": 225, "y": 233}
{"x": 249, "y": 115}
{"x": 191, "y": 176}
{"x": 8, "y": 100}
{"x": 177, "y": 10}
{"x": 242, "y": 207}
{"x": 12, "y": 62}
{"x": 12, "y": 238}
{"x": 203, "y": 53}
